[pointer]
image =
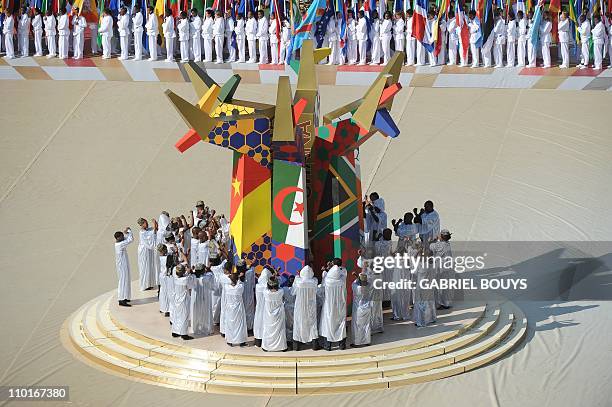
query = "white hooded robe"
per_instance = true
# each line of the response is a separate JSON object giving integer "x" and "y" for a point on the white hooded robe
{"x": 360, "y": 321}
{"x": 147, "y": 259}
{"x": 260, "y": 288}
{"x": 333, "y": 315}
{"x": 201, "y": 304}
{"x": 182, "y": 304}
{"x": 305, "y": 309}
{"x": 235, "y": 317}
{"x": 274, "y": 325}
{"x": 124, "y": 290}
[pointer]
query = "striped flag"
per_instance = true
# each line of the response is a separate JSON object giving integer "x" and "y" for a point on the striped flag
{"x": 461, "y": 20}
{"x": 306, "y": 26}
{"x": 420, "y": 29}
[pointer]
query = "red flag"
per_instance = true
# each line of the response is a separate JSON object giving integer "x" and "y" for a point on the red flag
{"x": 554, "y": 7}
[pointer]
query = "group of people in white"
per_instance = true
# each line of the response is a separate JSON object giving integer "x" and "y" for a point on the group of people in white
{"x": 203, "y": 290}
{"x": 257, "y": 39}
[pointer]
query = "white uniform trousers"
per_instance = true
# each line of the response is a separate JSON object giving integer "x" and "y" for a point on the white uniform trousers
{"x": 597, "y": 55}
{"x": 564, "y": 54}
{"x": 520, "y": 51}
{"x": 410, "y": 51}
{"x": 184, "y": 47}
{"x": 531, "y": 54}
{"x": 63, "y": 46}
{"x": 208, "y": 50}
{"x": 585, "y": 53}
{"x": 137, "y": 46}
{"x": 263, "y": 51}
{"x": 274, "y": 53}
{"x": 51, "y": 46}
{"x": 79, "y": 41}
{"x": 196, "y": 48}
{"x": 363, "y": 51}
{"x": 106, "y": 47}
{"x": 452, "y": 51}
{"x": 170, "y": 49}
{"x": 499, "y": 55}
{"x": 546, "y": 54}
{"x": 8, "y": 46}
{"x": 24, "y": 45}
{"x": 219, "y": 48}
{"x": 124, "y": 42}
{"x": 420, "y": 53}
{"x": 351, "y": 51}
{"x": 241, "y": 49}
{"x": 475, "y": 55}
{"x": 400, "y": 44}
{"x": 252, "y": 51}
{"x": 442, "y": 54}
{"x": 152, "y": 47}
{"x": 38, "y": 49}
{"x": 510, "y": 51}
{"x": 230, "y": 49}
{"x": 386, "y": 49}
{"x": 376, "y": 50}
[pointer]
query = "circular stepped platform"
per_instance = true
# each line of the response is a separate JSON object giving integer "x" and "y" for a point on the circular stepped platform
{"x": 98, "y": 334}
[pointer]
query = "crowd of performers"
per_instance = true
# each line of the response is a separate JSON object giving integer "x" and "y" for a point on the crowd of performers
{"x": 262, "y": 37}
{"x": 203, "y": 290}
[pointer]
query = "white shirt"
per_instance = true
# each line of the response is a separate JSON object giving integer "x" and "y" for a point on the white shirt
{"x": 474, "y": 29}
{"x": 183, "y": 29}
{"x": 78, "y": 23}
{"x": 545, "y": 29}
{"x": 64, "y": 29}
{"x": 106, "y": 28}
{"x": 218, "y": 27}
{"x": 195, "y": 28}
{"x": 585, "y": 30}
{"x": 251, "y": 28}
{"x": 262, "y": 29}
{"x": 599, "y": 33}
{"x": 50, "y": 25}
{"x": 351, "y": 30}
{"x": 152, "y": 25}
{"x": 386, "y": 29}
{"x": 37, "y": 23}
{"x": 398, "y": 29}
{"x": 207, "y": 28}
{"x": 272, "y": 32}
{"x": 511, "y": 31}
{"x": 123, "y": 25}
{"x": 362, "y": 30}
{"x": 168, "y": 27}
{"x": 23, "y": 28}
{"x": 8, "y": 26}
{"x": 239, "y": 29}
{"x": 137, "y": 23}
{"x": 563, "y": 30}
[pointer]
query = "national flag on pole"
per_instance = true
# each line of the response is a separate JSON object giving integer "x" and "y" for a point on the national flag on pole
{"x": 420, "y": 29}
{"x": 573, "y": 17}
{"x": 174, "y": 6}
{"x": 321, "y": 26}
{"x": 462, "y": 23}
{"x": 279, "y": 13}
{"x": 306, "y": 26}
{"x": 398, "y": 5}
{"x": 341, "y": 8}
{"x": 537, "y": 20}
{"x": 554, "y": 7}
{"x": 488, "y": 21}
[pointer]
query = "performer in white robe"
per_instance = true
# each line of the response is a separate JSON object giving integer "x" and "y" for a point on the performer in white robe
{"x": 164, "y": 296}
{"x": 223, "y": 280}
{"x": 248, "y": 295}
{"x": 430, "y": 223}
{"x": 274, "y": 330}
{"x": 146, "y": 255}
{"x": 182, "y": 304}
{"x": 375, "y": 216}
{"x": 124, "y": 291}
{"x": 217, "y": 268}
{"x": 376, "y": 303}
{"x": 362, "y": 311}
{"x": 384, "y": 248}
{"x": 424, "y": 311}
{"x": 304, "y": 289}
{"x": 402, "y": 297}
{"x": 332, "y": 325}
{"x": 202, "y": 288}
{"x": 260, "y": 289}
{"x": 441, "y": 250}
{"x": 289, "y": 299}
{"x": 236, "y": 331}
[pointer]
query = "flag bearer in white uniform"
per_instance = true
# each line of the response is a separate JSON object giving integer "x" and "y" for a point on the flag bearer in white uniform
{"x": 37, "y": 31}
{"x": 184, "y": 36}
{"x": 152, "y": 27}
{"x": 78, "y": 31}
{"x": 251, "y": 37}
{"x": 239, "y": 29}
{"x": 50, "y": 32}
{"x": 195, "y": 31}
{"x": 138, "y": 30}
{"x": 262, "y": 37}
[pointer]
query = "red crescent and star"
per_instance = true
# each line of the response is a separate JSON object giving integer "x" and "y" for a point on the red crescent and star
{"x": 278, "y": 205}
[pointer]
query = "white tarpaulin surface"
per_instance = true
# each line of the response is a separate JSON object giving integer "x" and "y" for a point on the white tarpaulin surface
{"x": 80, "y": 160}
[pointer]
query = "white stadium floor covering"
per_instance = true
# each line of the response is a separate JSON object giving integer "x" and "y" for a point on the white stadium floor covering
{"x": 82, "y": 159}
